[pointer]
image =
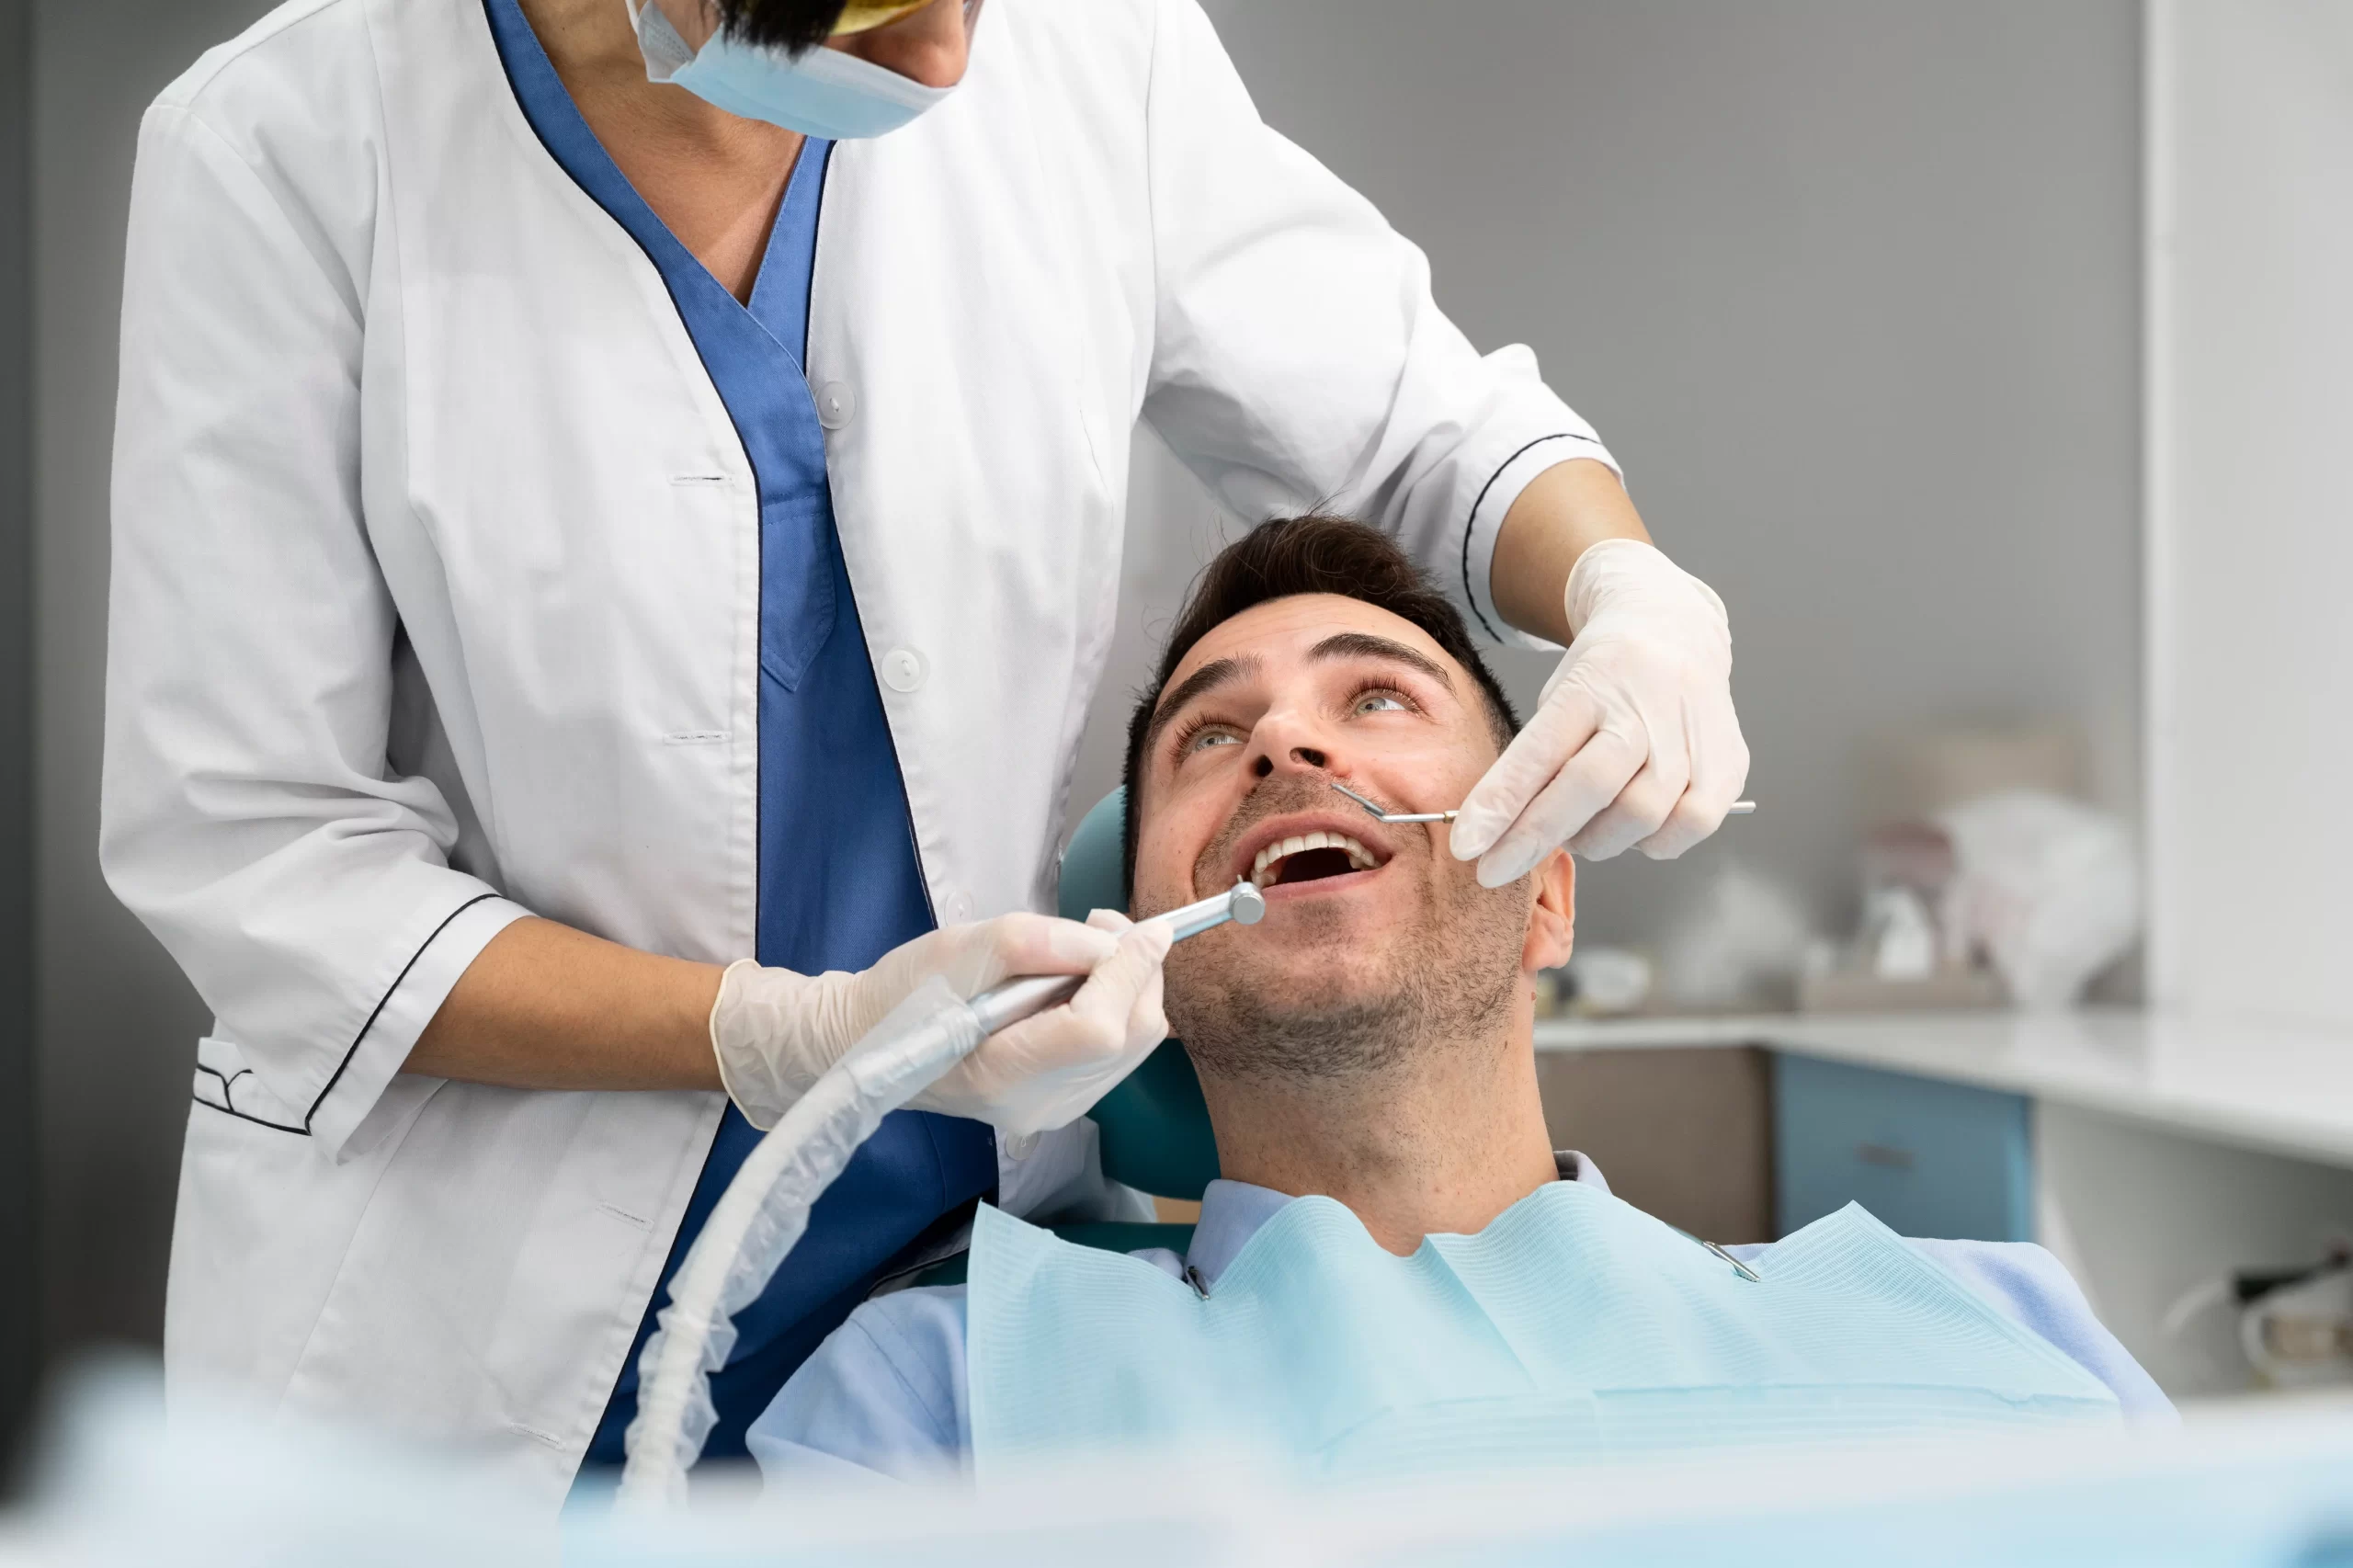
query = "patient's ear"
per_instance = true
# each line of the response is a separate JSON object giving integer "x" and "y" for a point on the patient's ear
{"x": 1551, "y": 924}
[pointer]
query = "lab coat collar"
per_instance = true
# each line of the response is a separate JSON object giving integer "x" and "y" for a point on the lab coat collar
{"x": 1231, "y": 1212}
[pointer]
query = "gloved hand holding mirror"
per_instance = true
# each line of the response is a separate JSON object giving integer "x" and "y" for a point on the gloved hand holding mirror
{"x": 1633, "y": 742}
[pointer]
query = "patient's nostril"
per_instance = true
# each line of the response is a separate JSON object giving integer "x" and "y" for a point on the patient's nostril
{"x": 1263, "y": 766}
{"x": 1307, "y": 755}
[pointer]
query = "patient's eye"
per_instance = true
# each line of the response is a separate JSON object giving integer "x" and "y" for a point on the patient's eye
{"x": 1380, "y": 700}
{"x": 1201, "y": 734}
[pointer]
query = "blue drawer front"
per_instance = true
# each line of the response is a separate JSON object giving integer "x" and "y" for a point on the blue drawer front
{"x": 1928, "y": 1158}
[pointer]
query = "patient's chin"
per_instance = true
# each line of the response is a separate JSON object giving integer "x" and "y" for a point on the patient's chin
{"x": 1328, "y": 1035}
{"x": 1320, "y": 1016}
{"x": 1288, "y": 972}
{"x": 1304, "y": 996}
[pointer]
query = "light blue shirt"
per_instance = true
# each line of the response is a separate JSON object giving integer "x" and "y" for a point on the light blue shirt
{"x": 886, "y": 1393}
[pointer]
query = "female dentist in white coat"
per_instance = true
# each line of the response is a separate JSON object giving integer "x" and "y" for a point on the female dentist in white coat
{"x": 600, "y": 494}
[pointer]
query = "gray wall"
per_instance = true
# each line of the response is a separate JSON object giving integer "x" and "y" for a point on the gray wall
{"x": 18, "y": 1189}
{"x": 117, "y": 1024}
{"x": 1850, "y": 287}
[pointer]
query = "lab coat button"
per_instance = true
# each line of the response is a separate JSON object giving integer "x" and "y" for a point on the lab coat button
{"x": 835, "y": 404}
{"x": 960, "y": 907}
{"x": 902, "y": 669}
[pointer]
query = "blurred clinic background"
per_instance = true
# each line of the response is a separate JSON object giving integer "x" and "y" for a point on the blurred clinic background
{"x": 1993, "y": 360}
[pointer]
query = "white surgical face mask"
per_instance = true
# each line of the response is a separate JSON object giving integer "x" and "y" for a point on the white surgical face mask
{"x": 822, "y": 91}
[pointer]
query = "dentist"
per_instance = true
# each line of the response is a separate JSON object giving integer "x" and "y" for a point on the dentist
{"x": 617, "y": 517}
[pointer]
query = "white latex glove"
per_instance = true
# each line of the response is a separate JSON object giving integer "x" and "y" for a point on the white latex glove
{"x": 1049, "y": 1070}
{"x": 775, "y": 1031}
{"x": 1634, "y": 739}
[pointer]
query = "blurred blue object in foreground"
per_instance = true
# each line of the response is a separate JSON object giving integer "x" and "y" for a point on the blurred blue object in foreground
{"x": 114, "y": 1483}
{"x": 2252, "y": 1486}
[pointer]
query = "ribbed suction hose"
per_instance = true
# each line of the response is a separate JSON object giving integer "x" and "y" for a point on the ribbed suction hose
{"x": 760, "y": 1217}
{"x": 766, "y": 1208}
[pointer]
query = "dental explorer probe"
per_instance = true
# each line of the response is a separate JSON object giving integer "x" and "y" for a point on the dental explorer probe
{"x": 1017, "y": 999}
{"x": 1737, "y": 809}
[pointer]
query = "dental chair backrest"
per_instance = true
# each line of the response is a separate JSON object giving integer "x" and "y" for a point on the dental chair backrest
{"x": 1156, "y": 1128}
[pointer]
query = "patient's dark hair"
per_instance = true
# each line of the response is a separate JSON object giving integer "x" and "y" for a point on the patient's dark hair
{"x": 793, "y": 25}
{"x": 1313, "y": 554}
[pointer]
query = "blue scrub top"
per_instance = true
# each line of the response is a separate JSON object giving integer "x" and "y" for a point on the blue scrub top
{"x": 839, "y": 884}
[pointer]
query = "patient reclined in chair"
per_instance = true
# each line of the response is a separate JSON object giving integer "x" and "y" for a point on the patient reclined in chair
{"x": 1399, "y": 1272}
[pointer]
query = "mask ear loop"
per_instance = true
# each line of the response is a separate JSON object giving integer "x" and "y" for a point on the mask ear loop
{"x": 658, "y": 40}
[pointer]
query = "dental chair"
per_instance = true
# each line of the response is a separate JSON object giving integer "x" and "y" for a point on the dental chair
{"x": 1154, "y": 1127}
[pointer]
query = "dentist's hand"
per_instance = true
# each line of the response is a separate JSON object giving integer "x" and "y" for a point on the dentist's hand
{"x": 1049, "y": 1070}
{"x": 775, "y": 1032}
{"x": 1634, "y": 741}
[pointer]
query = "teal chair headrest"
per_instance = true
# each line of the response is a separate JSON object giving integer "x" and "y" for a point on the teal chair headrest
{"x": 1155, "y": 1126}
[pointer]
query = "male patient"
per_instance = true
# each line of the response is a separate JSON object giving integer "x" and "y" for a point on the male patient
{"x": 1398, "y": 1270}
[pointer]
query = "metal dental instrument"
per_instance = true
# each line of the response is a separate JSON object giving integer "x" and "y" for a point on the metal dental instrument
{"x": 1737, "y": 809}
{"x": 1017, "y": 999}
{"x": 1738, "y": 1267}
{"x": 1379, "y": 815}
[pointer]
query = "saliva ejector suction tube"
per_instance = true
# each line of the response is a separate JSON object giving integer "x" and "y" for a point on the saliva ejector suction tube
{"x": 766, "y": 1208}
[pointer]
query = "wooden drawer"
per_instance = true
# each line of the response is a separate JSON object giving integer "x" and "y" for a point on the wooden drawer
{"x": 1680, "y": 1133}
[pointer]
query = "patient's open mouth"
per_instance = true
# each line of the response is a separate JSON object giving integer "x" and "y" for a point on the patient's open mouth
{"x": 1309, "y": 857}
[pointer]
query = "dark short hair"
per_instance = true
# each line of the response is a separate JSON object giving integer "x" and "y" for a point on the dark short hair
{"x": 791, "y": 24}
{"x": 1312, "y": 554}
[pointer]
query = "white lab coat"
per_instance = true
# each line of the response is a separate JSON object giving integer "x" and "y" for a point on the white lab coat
{"x": 436, "y": 601}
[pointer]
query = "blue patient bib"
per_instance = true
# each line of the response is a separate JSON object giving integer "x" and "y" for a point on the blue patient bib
{"x": 1573, "y": 1328}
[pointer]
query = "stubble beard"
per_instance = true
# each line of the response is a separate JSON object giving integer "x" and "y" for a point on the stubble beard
{"x": 1450, "y": 981}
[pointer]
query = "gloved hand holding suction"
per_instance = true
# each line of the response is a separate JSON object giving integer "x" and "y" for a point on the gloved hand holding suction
{"x": 1049, "y": 1069}
{"x": 775, "y": 1032}
{"x": 1634, "y": 741}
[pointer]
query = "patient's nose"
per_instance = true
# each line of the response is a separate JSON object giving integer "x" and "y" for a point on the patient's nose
{"x": 1292, "y": 736}
{"x": 1305, "y": 756}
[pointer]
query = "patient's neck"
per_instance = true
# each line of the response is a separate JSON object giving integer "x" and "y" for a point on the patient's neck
{"x": 1442, "y": 1140}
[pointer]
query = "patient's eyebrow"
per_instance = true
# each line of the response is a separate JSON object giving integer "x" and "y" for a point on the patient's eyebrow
{"x": 1199, "y": 684}
{"x": 1365, "y": 646}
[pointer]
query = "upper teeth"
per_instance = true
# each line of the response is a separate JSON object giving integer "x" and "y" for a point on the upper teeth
{"x": 1262, "y": 868}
